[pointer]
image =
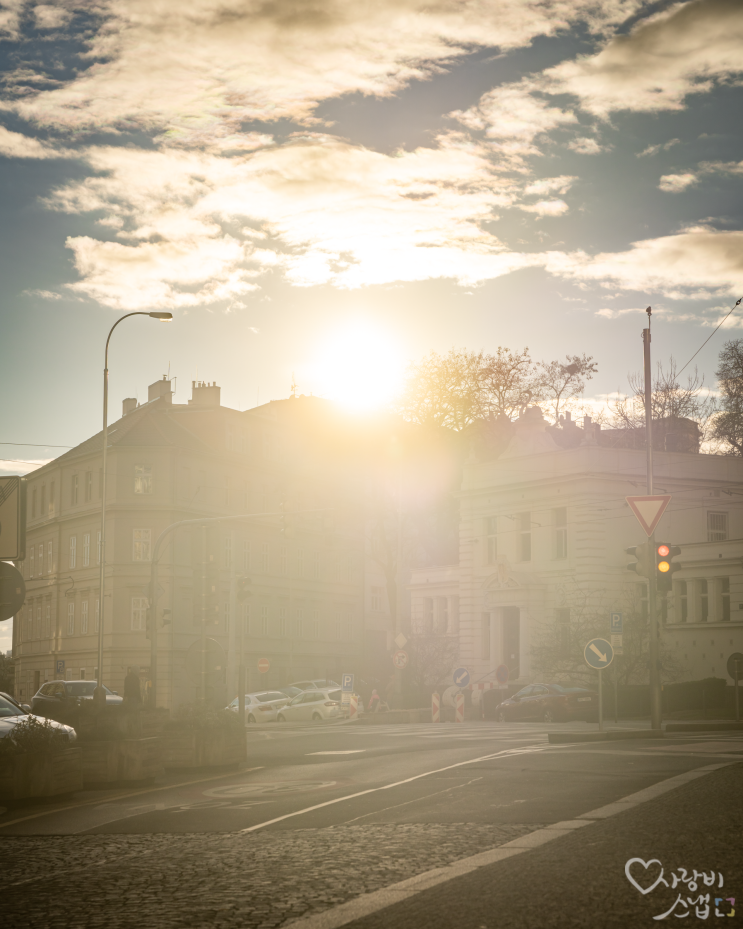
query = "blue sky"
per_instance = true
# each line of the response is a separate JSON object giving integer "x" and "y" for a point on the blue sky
{"x": 303, "y": 183}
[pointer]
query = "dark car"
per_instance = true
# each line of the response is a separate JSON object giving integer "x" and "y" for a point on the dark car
{"x": 549, "y": 703}
{"x": 61, "y": 700}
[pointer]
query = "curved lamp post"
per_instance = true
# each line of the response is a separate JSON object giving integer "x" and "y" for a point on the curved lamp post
{"x": 163, "y": 317}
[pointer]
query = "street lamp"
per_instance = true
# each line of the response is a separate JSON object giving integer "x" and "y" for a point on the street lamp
{"x": 163, "y": 317}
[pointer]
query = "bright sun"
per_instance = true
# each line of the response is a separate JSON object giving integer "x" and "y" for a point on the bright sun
{"x": 359, "y": 366}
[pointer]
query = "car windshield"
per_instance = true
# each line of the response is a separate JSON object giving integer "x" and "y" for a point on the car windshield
{"x": 565, "y": 689}
{"x": 9, "y": 709}
{"x": 81, "y": 688}
{"x": 291, "y": 691}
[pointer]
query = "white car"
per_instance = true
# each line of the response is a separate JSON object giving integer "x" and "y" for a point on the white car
{"x": 311, "y": 706}
{"x": 12, "y": 713}
{"x": 261, "y": 707}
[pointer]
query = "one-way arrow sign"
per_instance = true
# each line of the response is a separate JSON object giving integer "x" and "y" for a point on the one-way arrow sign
{"x": 649, "y": 510}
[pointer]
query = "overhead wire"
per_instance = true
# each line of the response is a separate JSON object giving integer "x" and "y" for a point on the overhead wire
{"x": 737, "y": 303}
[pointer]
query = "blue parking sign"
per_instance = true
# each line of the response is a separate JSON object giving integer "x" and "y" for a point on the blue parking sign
{"x": 347, "y": 683}
{"x": 60, "y": 666}
{"x": 615, "y": 623}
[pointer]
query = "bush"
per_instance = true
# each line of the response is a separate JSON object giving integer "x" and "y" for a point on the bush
{"x": 200, "y": 716}
{"x": 31, "y": 736}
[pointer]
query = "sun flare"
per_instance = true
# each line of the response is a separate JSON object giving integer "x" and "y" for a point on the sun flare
{"x": 359, "y": 366}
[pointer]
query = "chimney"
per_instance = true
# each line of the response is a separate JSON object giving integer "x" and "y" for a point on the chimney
{"x": 160, "y": 390}
{"x": 205, "y": 394}
{"x": 129, "y": 405}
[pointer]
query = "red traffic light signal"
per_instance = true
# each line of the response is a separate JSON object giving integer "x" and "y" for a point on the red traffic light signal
{"x": 664, "y": 566}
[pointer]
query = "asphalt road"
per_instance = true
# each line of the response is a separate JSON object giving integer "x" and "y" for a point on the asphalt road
{"x": 321, "y": 815}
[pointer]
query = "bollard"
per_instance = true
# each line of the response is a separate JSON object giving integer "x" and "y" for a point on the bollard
{"x": 435, "y": 708}
{"x": 353, "y": 707}
{"x": 459, "y": 718}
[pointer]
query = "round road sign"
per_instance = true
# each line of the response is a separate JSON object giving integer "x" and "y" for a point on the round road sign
{"x": 598, "y": 654}
{"x": 735, "y": 657}
{"x": 263, "y": 665}
{"x": 400, "y": 659}
{"x": 12, "y": 590}
{"x": 461, "y": 677}
{"x": 501, "y": 674}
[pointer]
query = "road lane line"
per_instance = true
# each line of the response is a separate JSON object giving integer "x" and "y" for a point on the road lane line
{"x": 366, "y": 904}
{"x": 396, "y": 806}
{"x": 347, "y": 751}
{"x": 100, "y": 801}
{"x": 408, "y": 780}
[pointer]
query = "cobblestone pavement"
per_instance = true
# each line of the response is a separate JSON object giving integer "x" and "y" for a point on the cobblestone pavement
{"x": 249, "y": 881}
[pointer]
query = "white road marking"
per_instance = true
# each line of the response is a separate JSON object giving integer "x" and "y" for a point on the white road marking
{"x": 367, "y": 904}
{"x": 348, "y": 751}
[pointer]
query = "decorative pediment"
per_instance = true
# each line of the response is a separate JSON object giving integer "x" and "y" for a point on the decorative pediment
{"x": 502, "y": 578}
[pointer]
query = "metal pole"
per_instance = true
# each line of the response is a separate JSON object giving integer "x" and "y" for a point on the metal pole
{"x": 737, "y": 704}
{"x": 616, "y": 697}
{"x": 601, "y": 702}
{"x": 654, "y": 626}
{"x": 203, "y": 614}
{"x": 153, "y": 637}
{"x": 232, "y": 631}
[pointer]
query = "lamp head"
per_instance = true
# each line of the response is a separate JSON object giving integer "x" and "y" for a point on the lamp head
{"x": 164, "y": 317}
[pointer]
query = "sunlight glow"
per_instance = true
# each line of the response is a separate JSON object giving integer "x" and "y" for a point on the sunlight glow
{"x": 359, "y": 366}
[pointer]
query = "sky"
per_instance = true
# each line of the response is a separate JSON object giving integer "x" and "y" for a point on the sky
{"x": 322, "y": 190}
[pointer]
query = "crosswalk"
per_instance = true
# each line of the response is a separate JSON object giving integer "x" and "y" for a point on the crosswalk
{"x": 447, "y": 731}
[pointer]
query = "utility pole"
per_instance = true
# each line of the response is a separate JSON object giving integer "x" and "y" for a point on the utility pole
{"x": 654, "y": 625}
{"x": 204, "y": 613}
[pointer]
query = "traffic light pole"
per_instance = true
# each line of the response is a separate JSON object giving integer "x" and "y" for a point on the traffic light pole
{"x": 654, "y": 626}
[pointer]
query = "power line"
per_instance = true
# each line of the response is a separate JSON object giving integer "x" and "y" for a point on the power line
{"x": 710, "y": 336}
{"x": 35, "y": 445}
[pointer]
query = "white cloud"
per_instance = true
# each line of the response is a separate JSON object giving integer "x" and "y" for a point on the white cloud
{"x": 546, "y": 207}
{"x": 654, "y": 149}
{"x": 586, "y": 146}
{"x": 674, "y": 183}
{"x": 51, "y": 17}
{"x": 11, "y": 13}
{"x": 548, "y": 185}
{"x": 616, "y": 314}
{"x": 17, "y": 145}
{"x": 44, "y": 294}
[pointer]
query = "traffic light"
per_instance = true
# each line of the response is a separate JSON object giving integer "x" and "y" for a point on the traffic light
{"x": 243, "y": 589}
{"x": 642, "y": 565}
{"x": 286, "y": 525}
{"x": 664, "y": 566}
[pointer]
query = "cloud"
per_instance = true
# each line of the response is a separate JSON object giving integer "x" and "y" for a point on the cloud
{"x": 17, "y": 145}
{"x": 676, "y": 265}
{"x": 546, "y": 207}
{"x": 44, "y": 294}
{"x": 11, "y": 13}
{"x": 586, "y": 146}
{"x": 51, "y": 17}
{"x": 654, "y": 149}
{"x": 616, "y": 314}
{"x": 548, "y": 185}
{"x": 721, "y": 167}
{"x": 9, "y": 466}
{"x": 674, "y": 183}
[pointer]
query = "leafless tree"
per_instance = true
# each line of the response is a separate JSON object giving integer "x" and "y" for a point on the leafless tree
{"x": 727, "y": 425}
{"x": 432, "y": 659}
{"x": 445, "y": 390}
{"x": 560, "y": 384}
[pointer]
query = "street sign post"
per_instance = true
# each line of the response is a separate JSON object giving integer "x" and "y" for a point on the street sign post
{"x": 461, "y": 677}
{"x": 263, "y": 665}
{"x": 648, "y": 509}
{"x": 400, "y": 659}
{"x": 735, "y": 670}
{"x": 347, "y": 683}
{"x": 12, "y": 518}
{"x": 599, "y": 654}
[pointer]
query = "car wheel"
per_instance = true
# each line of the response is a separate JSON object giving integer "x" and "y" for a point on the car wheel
{"x": 281, "y": 718}
{"x": 251, "y": 718}
{"x": 501, "y": 716}
{"x": 316, "y": 718}
{"x": 548, "y": 716}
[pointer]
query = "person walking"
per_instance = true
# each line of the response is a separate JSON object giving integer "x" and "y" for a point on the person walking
{"x": 132, "y": 691}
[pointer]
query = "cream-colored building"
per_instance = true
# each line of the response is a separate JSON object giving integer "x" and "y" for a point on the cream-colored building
{"x": 544, "y": 521}
{"x": 315, "y": 603}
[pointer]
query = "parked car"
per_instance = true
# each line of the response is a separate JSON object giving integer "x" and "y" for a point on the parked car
{"x": 310, "y": 705}
{"x": 24, "y": 706}
{"x": 291, "y": 691}
{"x": 549, "y": 703}
{"x": 338, "y": 695}
{"x": 11, "y": 713}
{"x": 318, "y": 684}
{"x": 261, "y": 707}
{"x": 60, "y": 700}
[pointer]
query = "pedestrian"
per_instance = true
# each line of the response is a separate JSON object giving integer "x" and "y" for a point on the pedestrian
{"x": 374, "y": 702}
{"x": 132, "y": 692}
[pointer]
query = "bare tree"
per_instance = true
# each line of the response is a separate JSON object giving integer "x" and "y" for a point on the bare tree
{"x": 727, "y": 425}
{"x": 445, "y": 390}
{"x": 432, "y": 659}
{"x": 509, "y": 382}
{"x": 559, "y": 385}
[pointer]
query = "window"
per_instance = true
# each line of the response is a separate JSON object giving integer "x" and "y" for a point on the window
{"x": 427, "y": 615}
{"x": 282, "y": 561}
{"x": 264, "y": 622}
{"x": 315, "y": 625}
{"x": 33, "y": 502}
{"x": 725, "y": 598}
{"x": 525, "y": 524}
{"x": 283, "y": 623}
{"x": 246, "y": 557}
{"x": 31, "y": 561}
{"x": 683, "y": 600}
{"x": 43, "y": 511}
{"x": 37, "y": 631}
{"x": 560, "y": 518}
{"x": 41, "y": 559}
{"x": 704, "y": 600}
{"x": 299, "y": 624}
{"x": 71, "y": 618}
{"x": 142, "y": 479}
{"x": 86, "y": 549}
{"x": 49, "y": 557}
{"x": 139, "y": 613}
{"x": 264, "y": 557}
{"x": 51, "y": 498}
{"x": 88, "y": 486}
{"x": 73, "y": 551}
{"x": 141, "y": 544}
{"x": 717, "y": 527}
{"x": 376, "y": 598}
{"x": 47, "y": 630}
{"x": 491, "y": 531}
{"x": 315, "y": 565}
{"x": 442, "y": 615}
{"x": 227, "y": 552}
{"x": 73, "y": 490}
{"x": 562, "y": 617}
{"x": 84, "y": 618}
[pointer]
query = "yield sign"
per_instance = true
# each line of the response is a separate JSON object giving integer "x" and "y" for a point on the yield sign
{"x": 649, "y": 510}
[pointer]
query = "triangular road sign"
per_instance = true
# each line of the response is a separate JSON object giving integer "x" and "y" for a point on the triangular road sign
{"x": 649, "y": 510}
